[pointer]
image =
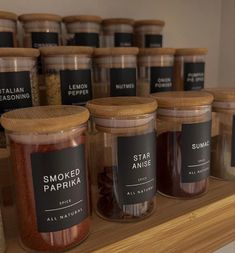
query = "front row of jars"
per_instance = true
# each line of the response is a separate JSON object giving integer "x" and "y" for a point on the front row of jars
{"x": 49, "y": 150}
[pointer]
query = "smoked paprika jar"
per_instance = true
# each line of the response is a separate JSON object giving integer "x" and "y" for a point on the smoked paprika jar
{"x": 124, "y": 156}
{"x": 48, "y": 152}
{"x": 183, "y": 143}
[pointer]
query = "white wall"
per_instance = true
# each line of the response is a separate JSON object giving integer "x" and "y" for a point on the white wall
{"x": 189, "y": 23}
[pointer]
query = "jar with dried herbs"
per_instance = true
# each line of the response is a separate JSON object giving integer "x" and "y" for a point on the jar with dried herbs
{"x": 189, "y": 69}
{"x": 67, "y": 72}
{"x": 155, "y": 70}
{"x": 183, "y": 143}
{"x": 125, "y": 164}
{"x": 115, "y": 72}
{"x": 48, "y": 152}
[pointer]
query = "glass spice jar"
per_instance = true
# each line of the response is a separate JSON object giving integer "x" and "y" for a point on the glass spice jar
{"x": 148, "y": 33}
{"x": 223, "y": 138}
{"x": 189, "y": 69}
{"x": 118, "y": 32}
{"x": 125, "y": 161}
{"x": 8, "y": 29}
{"x": 115, "y": 72}
{"x": 18, "y": 79}
{"x": 83, "y": 30}
{"x": 183, "y": 143}
{"x": 2, "y": 238}
{"x": 155, "y": 70}
{"x": 67, "y": 72}
{"x": 48, "y": 152}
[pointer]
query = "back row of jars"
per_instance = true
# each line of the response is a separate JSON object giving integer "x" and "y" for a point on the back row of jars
{"x": 82, "y": 30}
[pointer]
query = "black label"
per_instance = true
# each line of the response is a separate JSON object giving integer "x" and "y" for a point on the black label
{"x": 194, "y": 75}
{"x": 161, "y": 79}
{"x": 60, "y": 188}
{"x": 75, "y": 86}
{"x": 85, "y": 39}
{"x": 123, "y": 40}
{"x": 136, "y": 173}
{"x": 196, "y": 142}
{"x": 6, "y": 39}
{"x": 15, "y": 90}
{"x": 122, "y": 82}
{"x": 233, "y": 143}
{"x": 153, "y": 40}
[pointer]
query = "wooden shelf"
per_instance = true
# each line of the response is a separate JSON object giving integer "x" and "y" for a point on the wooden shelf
{"x": 202, "y": 224}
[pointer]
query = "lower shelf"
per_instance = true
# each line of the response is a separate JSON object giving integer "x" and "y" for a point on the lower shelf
{"x": 198, "y": 225}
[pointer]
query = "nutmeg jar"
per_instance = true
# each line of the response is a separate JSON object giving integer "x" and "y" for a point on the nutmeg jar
{"x": 148, "y": 33}
{"x": 67, "y": 72}
{"x": 2, "y": 239}
{"x": 117, "y": 32}
{"x": 115, "y": 72}
{"x": 124, "y": 157}
{"x": 155, "y": 70}
{"x": 8, "y": 29}
{"x": 183, "y": 143}
{"x": 48, "y": 152}
{"x": 223, "y": 136}
{"x": 83, "y": 30}
{"x": 189, "y": 69}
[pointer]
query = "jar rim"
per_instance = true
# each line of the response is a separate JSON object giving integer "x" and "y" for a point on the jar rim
{"x": 24, "y": 52}
{"x": 156, "y": 51}
{"x": 115, "y": 51}
{"x": 225, "y": 94}
{"x": 149, "y": 22}
{"x": 8, "y": 15}
{"x": 191, "y": 51}
{"x": 125, "y": 21}
{"x": 82, "y": 18}
{"x": 66, "y": 50}
{"x": 39, "y": 17}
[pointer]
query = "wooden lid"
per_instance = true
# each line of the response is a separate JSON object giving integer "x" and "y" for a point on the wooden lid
{"x": 82, "y": 18}
{"x": 191, "y": 51}
{"x": 149, "y": 22}
{"x": 121, "y": 106}
{"x": 8, "y": 15}
{"x": 113, "y": 51}
{"x": 66, "y": 50}
{"x": 44, "y": 119}
{"x": 222, "y": 94}
{"x": 24, "y": 52}
{"x": 40, "y": 16}
{"x": 182, "y": 99}
{"x": 124, "y": 21}
{"x": 156, "y": 51}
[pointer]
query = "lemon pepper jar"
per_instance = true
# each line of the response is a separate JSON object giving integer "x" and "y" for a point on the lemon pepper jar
{"x": 118, "y": 32}
{"x": 83, "y": 30}
{"x": 126, "y": 164}
{"x": 48, "y": 152}
{"x": 183, "y": 143}
{"x": 149, "y": 33}
{"x": 189, "y": 69}
{"x": 115, "y": 72}
{"x": 223, "y": 139}
{"x": 67, "y": 71}
{"x": 8, "y": 29}
{"x": 155, "y": 70}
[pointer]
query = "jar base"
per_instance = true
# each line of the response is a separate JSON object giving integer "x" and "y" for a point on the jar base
{"x": 183, "y": 198}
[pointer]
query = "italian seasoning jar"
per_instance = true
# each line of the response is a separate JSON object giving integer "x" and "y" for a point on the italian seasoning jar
{"x": 125, "y": 163}
{"x": 118, "y": 32}
{"x": 148, "y": 33}
{"x": 183, "y": 143}
{"x": 155, "y": 70}
{"x": 189, "y": 69}
{"x": 115, "y": 72}
{"x": 67, "y": 72}
{"x": 83, "y": 30}
{"x": 223, "y": 141}
{"x": 8, "y": 29}
{"x": 18, "y": 79}
{"x": 48, "y": 152}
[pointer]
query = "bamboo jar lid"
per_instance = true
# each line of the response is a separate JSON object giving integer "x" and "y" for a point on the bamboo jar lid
{"x": 121, "y": 21}
{"x": 226, "y": 94}
{"x": 191, "y": 51}
{"x": 20, "y": 52}
{"x": 115, "y": 51}
{"x": 121, "y": 106}
{"x": 66, "y": 50}
{"x": 156, "y": 51}
{"x": 40, "y": 17}
{"x": 82, "y": 18}
{"x": 8, "y": 15}
{"x": 149, "y": 22}
{"x": 182, "y": 99}
{"x": 44, "y": 119}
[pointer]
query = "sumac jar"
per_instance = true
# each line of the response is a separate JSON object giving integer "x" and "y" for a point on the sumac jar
{"x": 155, "y": 70}
{"x": 189, "y": 69}
{"x": 48, "y": 152}
{"x": 125, "y": 157}
{"x": 83, "y": 30}
{"x": 183, "y": 143}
